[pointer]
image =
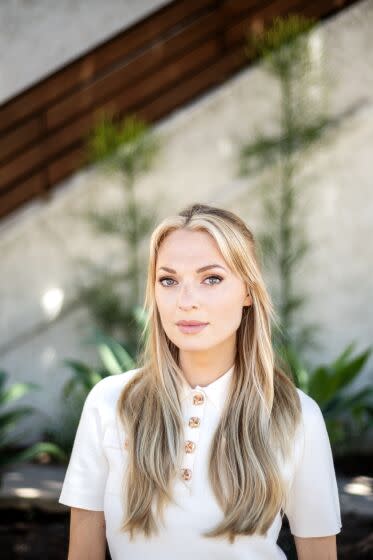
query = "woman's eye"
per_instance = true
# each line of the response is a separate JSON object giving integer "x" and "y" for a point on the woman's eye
{"x": 161, "y": 280}
{"x": 218, "y": 277}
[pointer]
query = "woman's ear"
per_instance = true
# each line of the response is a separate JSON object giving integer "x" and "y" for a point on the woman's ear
{"x": 248, "y": 301}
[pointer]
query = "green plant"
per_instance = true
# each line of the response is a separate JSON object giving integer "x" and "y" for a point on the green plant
{"x": 8, "y": 421}
{"x": 126, "y": 149}
{"x": 115, "y": 359}
{"x": 348, "y": 413}
{"x": 292, "y": 54}
{"x": 113, "y": 355}
{"x": 62, "y": 427}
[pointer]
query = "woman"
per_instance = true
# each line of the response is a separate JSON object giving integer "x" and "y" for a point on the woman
{"x": 200, "y": 451}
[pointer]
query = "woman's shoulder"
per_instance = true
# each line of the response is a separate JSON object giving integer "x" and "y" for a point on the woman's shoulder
{"x": 313, "y": 428}
{"x": 309, "y": 407}
{"x": 108, "y": 389}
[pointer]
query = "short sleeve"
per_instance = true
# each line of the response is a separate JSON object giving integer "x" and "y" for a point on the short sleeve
{"x": 313, "y": 508}
{"x": 85, "y": 478}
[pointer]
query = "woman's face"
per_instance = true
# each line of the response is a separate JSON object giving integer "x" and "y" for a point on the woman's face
{"x": 215, "y": 296}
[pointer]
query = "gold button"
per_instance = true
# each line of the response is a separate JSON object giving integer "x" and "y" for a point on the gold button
{"x": 189, "y": 446}
{"x": 186, "y": 474}
{"x": 198, "y": 398}
{"x": 194, "y": 421}
{"x": 126, "y": 443}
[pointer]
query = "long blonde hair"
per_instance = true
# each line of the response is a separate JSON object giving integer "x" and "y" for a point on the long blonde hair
{"x": 259, "y": 419}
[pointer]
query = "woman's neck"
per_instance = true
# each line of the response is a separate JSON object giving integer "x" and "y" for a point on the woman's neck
{"x": 203, "y": 370}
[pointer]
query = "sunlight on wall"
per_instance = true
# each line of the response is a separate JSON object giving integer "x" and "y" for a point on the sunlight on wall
{"x": 52, "y": 301}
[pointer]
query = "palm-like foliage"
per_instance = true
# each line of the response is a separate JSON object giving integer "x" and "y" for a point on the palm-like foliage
{"x": 115, "y": 359}
{"x": 348, "y": 412}
{"x": 9, "y": 420}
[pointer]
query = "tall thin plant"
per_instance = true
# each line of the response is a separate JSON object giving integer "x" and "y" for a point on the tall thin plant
{"x": 125, "y": 149}
{"x": 291, "y": 51}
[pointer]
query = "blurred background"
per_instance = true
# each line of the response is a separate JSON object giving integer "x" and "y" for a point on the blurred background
{"x": 114, "y": 115}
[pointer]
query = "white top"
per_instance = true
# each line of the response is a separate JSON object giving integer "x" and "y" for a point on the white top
{"x": 94, "y": 475}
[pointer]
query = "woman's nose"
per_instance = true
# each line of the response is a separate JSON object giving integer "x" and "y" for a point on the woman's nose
{"x": 186, "y": 298}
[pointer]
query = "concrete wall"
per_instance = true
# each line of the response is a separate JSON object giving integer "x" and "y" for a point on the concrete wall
{"x": 38, "y": 245}
{"x": 38, "y": 37}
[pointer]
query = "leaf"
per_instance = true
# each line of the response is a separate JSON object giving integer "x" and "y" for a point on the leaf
{"x": 31, "y": 452}
{"x": 10, "y": 418}
{"x": 344, "y": 403}
{"x": 69, "y": 387}
{"x": 345, "y": 373}
{"x": 115, "y": 358}
{"x": 127, "y": 145}
{"x": 292, "y": 304}
{"x": 342, "y": 358}
{"x": 258, "y": 154}
{"x": 321, "y": 386}
{"x": 336, "y": 430}
{"x": 85, "y": 374}
{"x": 16, "y": 391}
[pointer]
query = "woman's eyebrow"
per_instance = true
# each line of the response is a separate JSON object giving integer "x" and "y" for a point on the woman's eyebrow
{"x": 202, "y": 269}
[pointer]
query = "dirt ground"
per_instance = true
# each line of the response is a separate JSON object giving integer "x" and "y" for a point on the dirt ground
{"x": 35, "y": 535}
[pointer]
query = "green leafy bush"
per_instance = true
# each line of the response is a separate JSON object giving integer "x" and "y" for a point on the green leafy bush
{"x": 9, "y": 419}
{"x": 348, "y": 412}
{"x": 115, "y": 359}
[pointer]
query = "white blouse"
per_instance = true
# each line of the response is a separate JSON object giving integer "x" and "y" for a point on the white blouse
{"x": 94, "y": 476}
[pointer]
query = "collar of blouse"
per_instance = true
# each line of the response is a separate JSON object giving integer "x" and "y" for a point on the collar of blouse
{"x": 216, "y": 391}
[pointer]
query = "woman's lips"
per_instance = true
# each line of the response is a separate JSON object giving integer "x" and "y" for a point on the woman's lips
{"x": 192, "y": 328}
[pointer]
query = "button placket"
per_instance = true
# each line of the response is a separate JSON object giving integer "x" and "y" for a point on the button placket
{"x": 196, "y": 403}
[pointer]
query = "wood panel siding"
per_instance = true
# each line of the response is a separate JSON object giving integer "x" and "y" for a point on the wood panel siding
{"x": 157, "y": 65}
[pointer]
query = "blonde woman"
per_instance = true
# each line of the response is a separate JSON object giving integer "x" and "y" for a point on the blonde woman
{"x": 199, "y": 451}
